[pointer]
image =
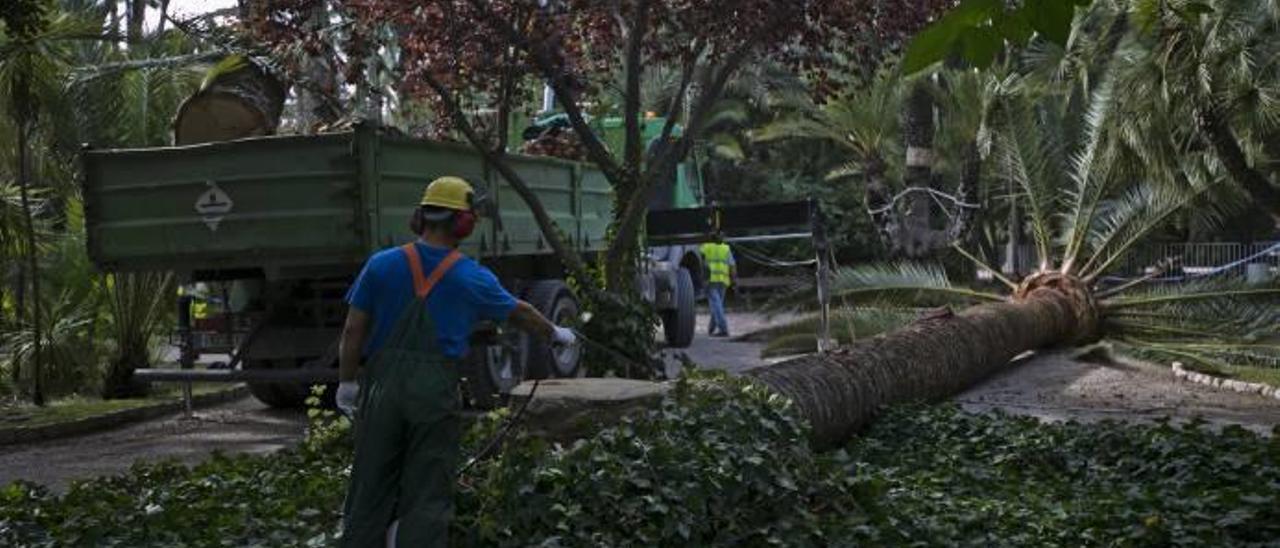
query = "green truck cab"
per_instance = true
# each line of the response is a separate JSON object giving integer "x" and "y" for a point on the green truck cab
{"x": 282, "y": 224}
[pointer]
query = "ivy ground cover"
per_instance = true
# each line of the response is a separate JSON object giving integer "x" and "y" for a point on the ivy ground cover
{"x": 724, "y": 463}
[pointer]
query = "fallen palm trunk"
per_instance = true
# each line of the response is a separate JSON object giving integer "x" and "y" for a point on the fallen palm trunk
{"x": 933, "y": 358}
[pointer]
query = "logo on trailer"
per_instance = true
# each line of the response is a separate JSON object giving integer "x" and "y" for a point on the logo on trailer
{"x": 213, "y": 205}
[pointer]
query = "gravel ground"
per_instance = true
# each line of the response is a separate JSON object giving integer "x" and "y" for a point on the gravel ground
{"x": 724, "y": 353}
{"x": 242, "y": 426}
{"x": 1053, "y": 386}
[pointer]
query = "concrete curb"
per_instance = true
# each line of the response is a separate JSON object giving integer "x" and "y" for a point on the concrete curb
{"x": 26, "y": 434}
{"x": 1264, "y": 390}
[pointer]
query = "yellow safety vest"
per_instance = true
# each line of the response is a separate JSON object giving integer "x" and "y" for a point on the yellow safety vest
{"x": 717, "y": 257}
{"x": 199, "y": 305}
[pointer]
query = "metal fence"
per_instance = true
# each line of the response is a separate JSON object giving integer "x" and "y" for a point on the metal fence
{"x": 1203, "y": 258}
{"x": 1192, "y": 259}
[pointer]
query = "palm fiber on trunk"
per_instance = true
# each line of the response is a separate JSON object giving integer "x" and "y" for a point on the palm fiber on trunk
{"x": 933, "y": 358}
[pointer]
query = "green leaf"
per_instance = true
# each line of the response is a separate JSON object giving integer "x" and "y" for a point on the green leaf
{"x": 934, "y": 43}
{"x": 228, "y": 65}
{"x": 1014, "y": 27}
{"x": 1191, "y": 11}
{"x": 1197, "y": 8}
{"x": 976, "y": 12}
{"x": 981, "y": 44}
{"x": 1050, "y": 18}
{"x": 931, "y": 45}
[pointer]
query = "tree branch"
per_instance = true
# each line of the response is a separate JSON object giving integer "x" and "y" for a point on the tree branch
{"x": 677, "y": 102}
{"x": 555, "y": 75}
{"x": 958, "y": 227}
{"x": 633, "y": 155}
{"x": 669, "y": 154}
{"x": 549, "y": 228}
{"x": 91, "y": 72}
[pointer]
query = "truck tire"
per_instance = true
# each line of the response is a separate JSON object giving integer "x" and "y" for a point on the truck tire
{"x": 678, "y": 324}
{"x": 277, "y": 394}
{"x": 490, "y": 379}
{"x": 554, "y": 300}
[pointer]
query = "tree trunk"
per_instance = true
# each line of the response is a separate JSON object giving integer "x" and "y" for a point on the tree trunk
{"x": 37, "y": 324}
{"x": 164, "y": 17}
{"x": 20, "y": 311}
{"x": 931, "y": 359}
{"x": 137, "y": 12}
{"x": 917, "y": 130}
{"x": 971, "y": 169}
{"x": 317, "y": 103}
{"x": 113, "y": 15}
{"x": 1224, "y": 142}
{"x": 1013, "y": 252}
{"x": 237, "y": 103}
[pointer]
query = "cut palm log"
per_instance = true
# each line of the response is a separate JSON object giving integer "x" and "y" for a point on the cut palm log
{"x": 238, "y": 99}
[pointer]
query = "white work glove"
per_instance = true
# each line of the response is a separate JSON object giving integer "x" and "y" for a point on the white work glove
{"x": 563, "y": 336}
{"x": 392, "y": 532}
{"x": 346, "y": 397}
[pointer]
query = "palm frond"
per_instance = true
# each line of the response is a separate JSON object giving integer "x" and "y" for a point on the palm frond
{"x": 904, "y": 284}
{"x": 981, "y": 264}
{"x": 865, "y": 124}
{"x": 1227, "y": 321}
{"x": 1089, "y": 175}
{"x": 1024, "y": 156}
{"x": 847, "y": 324}
{"x": 1123, "y": 223}
{"x": 1187, "y": 297}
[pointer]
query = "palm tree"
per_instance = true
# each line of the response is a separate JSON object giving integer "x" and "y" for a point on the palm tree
{"x": 1216, "y": 63}
{"x": 139, "y": 304}
{"x": 888, "y": 132}
{"x": 32, "y": 56}
{"x": 1086, "y": 216}
{"x": 68, "y": 83}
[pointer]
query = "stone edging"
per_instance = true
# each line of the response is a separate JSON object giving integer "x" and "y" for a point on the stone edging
{"x": 25, "y": 434}
{"x": 1265, "y": 390}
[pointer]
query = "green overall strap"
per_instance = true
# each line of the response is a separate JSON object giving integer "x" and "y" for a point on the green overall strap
{"x": 422, "y": 286}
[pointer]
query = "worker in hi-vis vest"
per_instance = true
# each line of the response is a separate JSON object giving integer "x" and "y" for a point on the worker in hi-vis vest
{"x": 411, "y": 313}
{"x": 721, "y": 272}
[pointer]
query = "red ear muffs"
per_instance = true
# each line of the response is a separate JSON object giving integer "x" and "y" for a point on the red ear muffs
{"x": 464, "y": 223}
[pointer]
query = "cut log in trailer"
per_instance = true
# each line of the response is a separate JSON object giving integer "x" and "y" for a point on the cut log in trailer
{"x": 238, "y": 99}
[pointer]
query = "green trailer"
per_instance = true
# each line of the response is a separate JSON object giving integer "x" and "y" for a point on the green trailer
{"x": 279, "y": 226}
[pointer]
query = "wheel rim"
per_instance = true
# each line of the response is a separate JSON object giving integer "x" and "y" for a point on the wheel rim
{"x": 565, "y": 357}
{"x": 504, "y": 362}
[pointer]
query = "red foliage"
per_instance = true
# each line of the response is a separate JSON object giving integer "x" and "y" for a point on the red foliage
{"x": 474, "y": 46}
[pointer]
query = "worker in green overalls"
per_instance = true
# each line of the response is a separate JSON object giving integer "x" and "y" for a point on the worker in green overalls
{"x": 721, "y": 271}
{"x": 411, "y": 312}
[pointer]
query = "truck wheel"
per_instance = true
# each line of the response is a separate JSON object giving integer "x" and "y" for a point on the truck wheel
{"x": 277, "y": 394}
{"x": 494, "y": 369}
{"x": 678, "y": 324}
{"x": 554, "y": 300}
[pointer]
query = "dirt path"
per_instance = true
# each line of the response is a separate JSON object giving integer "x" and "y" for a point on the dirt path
{"x": 243, "y": 426}
{"x": 724, "y": 353}
{"x": 1053, "y": 386}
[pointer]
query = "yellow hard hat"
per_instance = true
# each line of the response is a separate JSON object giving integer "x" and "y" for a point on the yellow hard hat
{"x": 448, "y": 192}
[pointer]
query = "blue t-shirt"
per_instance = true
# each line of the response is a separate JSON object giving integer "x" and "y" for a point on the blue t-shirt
{"x": 467, "y": 294}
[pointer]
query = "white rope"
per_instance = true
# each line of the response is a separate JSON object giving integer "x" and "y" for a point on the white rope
{"x": 936, "y": 194}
